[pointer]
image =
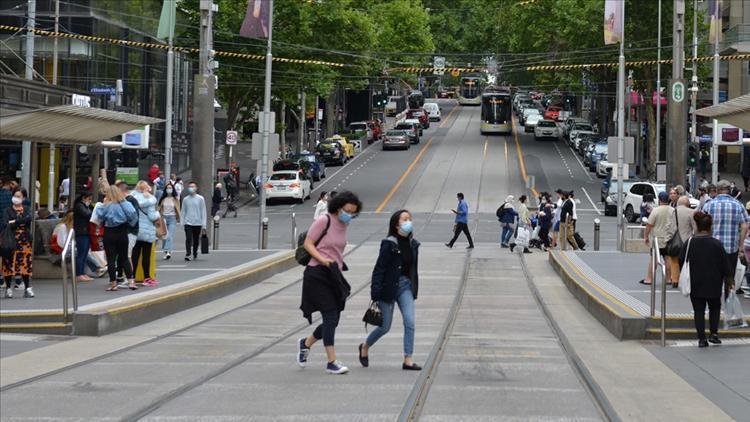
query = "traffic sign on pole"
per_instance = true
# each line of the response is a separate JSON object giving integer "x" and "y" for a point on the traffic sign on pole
{"x": 678, "y": 91}
{"x": 232, "y": 137}
{"x": 455, "y": 73}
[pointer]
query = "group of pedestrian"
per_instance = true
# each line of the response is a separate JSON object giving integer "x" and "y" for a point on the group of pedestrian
{"x": 395, "y": 281}
{"x": 711, "y": 238}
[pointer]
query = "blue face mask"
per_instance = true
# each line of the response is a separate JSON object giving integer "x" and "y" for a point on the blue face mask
{"x": 406, "y": 227}
{"x": 345, "y": 217}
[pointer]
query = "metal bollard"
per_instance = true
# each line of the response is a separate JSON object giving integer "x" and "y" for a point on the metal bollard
{"x": 597, "y": 233}
{"x": 217, "y": 218}
{"x": 294, "y": 231}
{"x": 264, "y": 239}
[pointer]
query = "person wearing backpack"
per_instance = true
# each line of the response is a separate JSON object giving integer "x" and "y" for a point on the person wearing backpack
{"x": 324, "y": 288}
{"x": 395, "y": 278}
{"x": 117, "y": 215}
{"x": 506, "y": 215}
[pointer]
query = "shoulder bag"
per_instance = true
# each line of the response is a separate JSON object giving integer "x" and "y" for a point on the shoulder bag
{"x": 684, "y": 283}
{"x": 373, "y": 315}
{"x": 674, "y": 245}
{"x": 300, "y": 254}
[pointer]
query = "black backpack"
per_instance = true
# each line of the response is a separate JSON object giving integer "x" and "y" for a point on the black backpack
{"x": 134, "y": 202}
{"x": 500, "y": 212}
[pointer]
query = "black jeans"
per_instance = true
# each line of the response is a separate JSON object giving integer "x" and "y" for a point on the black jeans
{"x": 116, "y": 249}
{"x": 327, "y": 330}
{"x": 192, "y": 239}
{"x": 144, "y": 246}
{"x": 544, "y": 236}
{"x": 461, "y": 227}
{"x": 699, "y": 315}
{"x": 9, "y": 281}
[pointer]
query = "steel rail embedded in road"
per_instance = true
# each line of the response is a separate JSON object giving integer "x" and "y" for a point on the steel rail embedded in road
{"x": 579, "y": 368}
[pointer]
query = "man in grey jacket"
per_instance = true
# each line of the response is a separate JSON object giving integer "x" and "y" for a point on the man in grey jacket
{"x": 193, "y": 211}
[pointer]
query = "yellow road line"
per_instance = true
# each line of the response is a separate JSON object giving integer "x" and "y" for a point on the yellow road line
{"x": 402, "y": 178}
{"x": 409, "y": 169}
{"x": 521, "y": 161}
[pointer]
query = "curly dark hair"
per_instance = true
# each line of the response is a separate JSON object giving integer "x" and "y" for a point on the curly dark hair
{"x": 341, "y": 199}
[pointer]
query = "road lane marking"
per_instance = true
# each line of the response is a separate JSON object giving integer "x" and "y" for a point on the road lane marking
{"x": 585, "y": 170}
{"x": 507, "y": 163}
{"x": 521, "y": 161}
{"x": 447, "y": 117}
{"x": 565, "y": 162}
{"x": 590, "y": 200}
{"x": 484, "y": 155}
{"x": 403, "y": 177}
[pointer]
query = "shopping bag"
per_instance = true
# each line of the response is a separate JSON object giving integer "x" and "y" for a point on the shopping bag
{"x": 522, "y": 237}
{"x": 535, "y": 234}
{"x": 684, "y": 283}
{"x": 739, "y": 274}
{"x": 204, "y": 243}
{"x": 733, "y": 316}
{"x": 95, "y": 216}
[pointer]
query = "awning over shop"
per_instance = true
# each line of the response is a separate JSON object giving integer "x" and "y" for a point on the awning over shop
{"x": 70, "y": 124}
{"x": 735, "y": 112}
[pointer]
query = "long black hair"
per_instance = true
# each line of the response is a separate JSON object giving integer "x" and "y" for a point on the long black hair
{"x": 337, "y": 202}
{"x": 393, "y": 224}
{"x": 171, "y": 195}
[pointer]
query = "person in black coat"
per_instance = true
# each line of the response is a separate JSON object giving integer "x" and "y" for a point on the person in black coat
{"x": 709, "y": 267}
{"x": 395, "y": 279}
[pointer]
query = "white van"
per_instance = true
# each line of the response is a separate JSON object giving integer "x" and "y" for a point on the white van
{"x": 433, "y": 111}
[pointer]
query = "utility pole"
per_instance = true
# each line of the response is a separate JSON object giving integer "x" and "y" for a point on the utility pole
{"x": 202, "y": 152}
{"x": 677, "y": 133}
{"x": 314, "y": 140}
{"x": 51, "y": 175}
{"x": 694, "y": 92}
{"x": 302, "y": 121}
{"x": 29, "y": 74}
{"x": 266, "y": 126}
{"x": 658, "y": 92}
{"x": 715, "y": 137}
{"x": 621, "y": 129}
{"x": 170, "y": 97}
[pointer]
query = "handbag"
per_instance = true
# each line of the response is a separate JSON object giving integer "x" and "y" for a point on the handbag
{"x": 161, "y": 227}
{"x": 684, "y": 283}
{"x": 300, "y": 253}
{"x": 373, "y": 315}
{"x": 674, "y": 245}
{"x": 204, "y": 243}
{"x": 8, "y": 244}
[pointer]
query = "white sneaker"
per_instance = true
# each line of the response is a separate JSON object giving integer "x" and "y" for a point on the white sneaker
{"x": 167, "y": 256}
{"x": 21, "y": 286}
{"x": 336, "y": 368}
{"x": 9, "y": 293}
{"x": 28, "y": 292}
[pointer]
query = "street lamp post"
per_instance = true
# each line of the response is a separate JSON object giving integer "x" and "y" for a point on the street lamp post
{"x": 266, "y": 127}
{"x": 620, "y": 129}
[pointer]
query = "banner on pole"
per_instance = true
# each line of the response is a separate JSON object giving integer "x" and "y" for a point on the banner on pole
{"x": 714, "y": 8}
{"x": 167, "y": 19}
{"x": 613, "y": 21}
{"x": 255, "y": 24}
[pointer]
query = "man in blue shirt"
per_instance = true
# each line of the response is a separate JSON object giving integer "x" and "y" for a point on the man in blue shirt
{"x": 462, "y": 220}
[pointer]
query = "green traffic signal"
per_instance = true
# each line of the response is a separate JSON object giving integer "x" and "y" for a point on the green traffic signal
{"x": 692, "y": 155}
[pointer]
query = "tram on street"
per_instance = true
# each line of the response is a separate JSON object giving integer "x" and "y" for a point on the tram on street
{"x": 470, "y": 90}
{"x": 496, "y": 111}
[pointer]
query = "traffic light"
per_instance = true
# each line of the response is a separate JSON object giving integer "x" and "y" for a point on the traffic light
{"x": 692, "y": 155}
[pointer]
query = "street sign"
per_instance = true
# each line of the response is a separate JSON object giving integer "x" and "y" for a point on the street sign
{"x": 678, "y": 92}
{"x": 455, "y": 73}
{"x": 628, "y": 155}
{"x": 438, "y": 63}
{"x": 257, "y": 146}
{"x": 231, "y": 137}
{"x": 262, "y": 123}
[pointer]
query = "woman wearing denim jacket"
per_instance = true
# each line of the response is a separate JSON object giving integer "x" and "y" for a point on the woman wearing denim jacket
{"x": 395, "y": 279}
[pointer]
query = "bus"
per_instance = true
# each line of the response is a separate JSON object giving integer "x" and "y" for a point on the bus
{"x": 470, "y": 90}
{"x": 416, "y": 99}
{"x": 496, "y": 111}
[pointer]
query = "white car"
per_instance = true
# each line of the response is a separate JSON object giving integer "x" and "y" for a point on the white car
{"x": 528, "y": 111}
{"x": 631, "y": 204}
{"x": 546, "y": 129}
{"x": 568, "y": 125}
{"x": 417, "y": 122}
{"x": 575, "y": 137}
{"x": 603, "y": 166}
{"x": 579, "y": 127}
{"x": 531, "y": 121}
{"x": 433, "y": 111}
{"x": 354, "y": 126}
{"x": 288, "y": 185}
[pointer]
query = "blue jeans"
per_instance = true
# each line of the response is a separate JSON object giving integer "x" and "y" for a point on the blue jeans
{"x": 171, "y": 221}
{"x": 506, "y": 234}
{"x": 405, "y": 300}
{"x": 83, "y": 242}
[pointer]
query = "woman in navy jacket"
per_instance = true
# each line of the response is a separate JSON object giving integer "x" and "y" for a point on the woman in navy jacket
{"x": 395, "y": 279}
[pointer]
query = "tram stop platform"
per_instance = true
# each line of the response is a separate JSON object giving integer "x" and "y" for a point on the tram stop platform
{"x": 182, "y": 285}
{"x": 607, "y": 284}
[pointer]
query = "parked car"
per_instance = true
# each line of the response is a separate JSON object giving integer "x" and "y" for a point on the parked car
{"x": 595, "y": 152}
{"x": 288, "y": 185}
{"x": 580, "y": 127}
{"x": 546, "y": 129}
{"x": 347, "y": 146}
{"x": 433, "y": 111}
{"x": 634, "y": 198}
{"x": 294, "y": 165}
{"x": 577, "y": 134}
{"x": 531, "y": 121}
{"x": 604, "y": 166}
{"x": 317, "y": 166}
{"x": 568, "y": 125}
{"x": 362, "y": 126}
{"x": 609, "y": 195}
{"x": 396, "y": 139}
{"x": 332, "y": 151}
{"x": 412, "y": 129}
{"x": 552, "y": 113}
{"x": 421, "y": 115}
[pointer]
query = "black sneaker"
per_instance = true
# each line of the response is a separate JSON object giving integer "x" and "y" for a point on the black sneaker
{"x": 470, "y": 247}
{"x": 526, "y": 250}
{"x": 702, "y": 343}
{"x": 449, "y": 245}
{"x": 187, "y": 257}
{"x": 302, "y": 352}
{"x": 512, "y": 246}
{"x": 714, "y": 338}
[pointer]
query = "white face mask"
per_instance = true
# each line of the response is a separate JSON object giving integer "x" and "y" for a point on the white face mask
{"x": 16, "y": 200}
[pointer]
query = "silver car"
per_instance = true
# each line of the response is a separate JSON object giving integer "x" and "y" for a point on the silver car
{"x": 396, "y": 139}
